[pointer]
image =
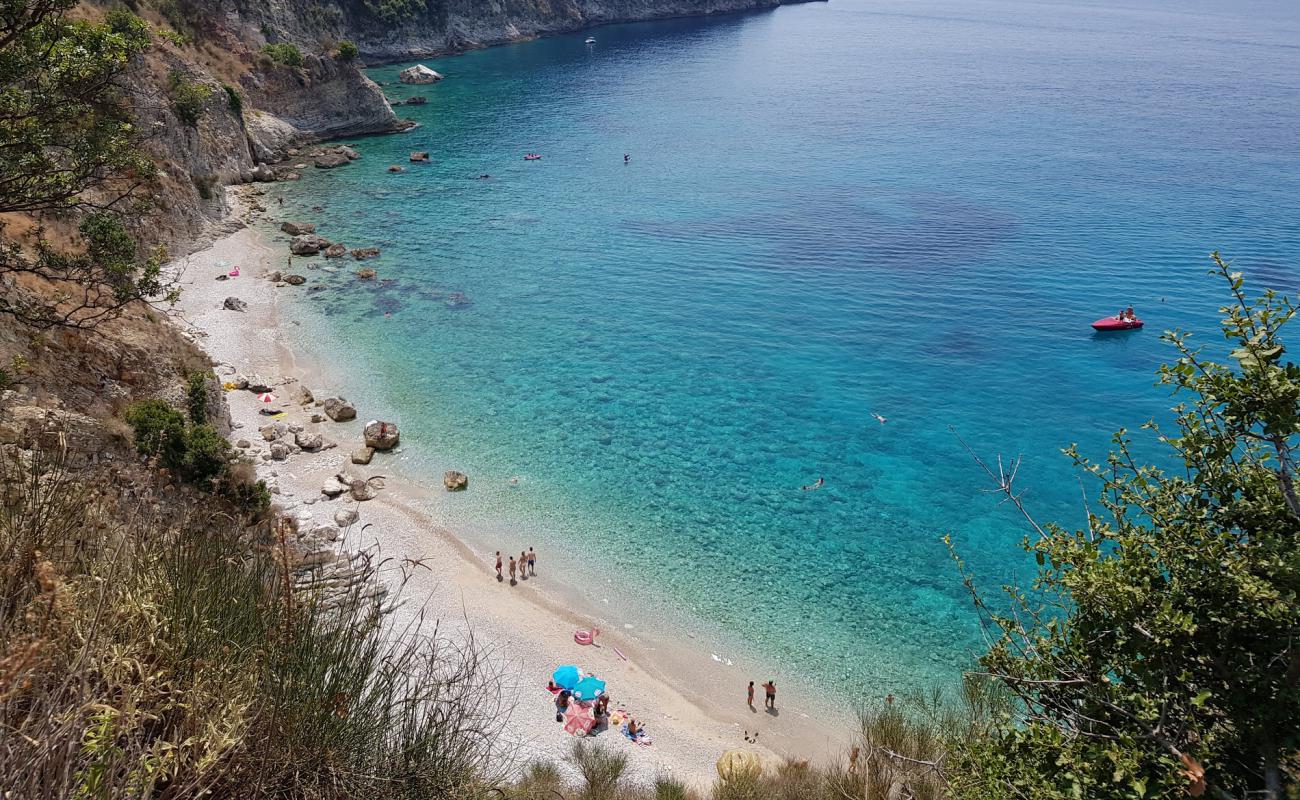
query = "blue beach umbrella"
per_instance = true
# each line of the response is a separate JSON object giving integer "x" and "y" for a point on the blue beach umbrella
{"x": 589, "y": 688}
{"x": 567, "y": 677}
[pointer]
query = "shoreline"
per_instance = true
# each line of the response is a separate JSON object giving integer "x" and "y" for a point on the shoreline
{"x": 528, "y": 627}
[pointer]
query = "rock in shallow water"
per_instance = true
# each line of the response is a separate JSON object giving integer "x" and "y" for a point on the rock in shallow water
{"x": 382, "y": 435}
{"x": 455, "y": 481}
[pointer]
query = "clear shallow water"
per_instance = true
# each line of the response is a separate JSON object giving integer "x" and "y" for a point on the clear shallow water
{"x": 832, "y": 210}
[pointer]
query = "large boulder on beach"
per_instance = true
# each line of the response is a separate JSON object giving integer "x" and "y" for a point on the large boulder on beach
{"x": 263, "y": 173}
{"x": 297, "y": 228}
{"x": 295, "y": 280}
{"x": 362, "y": 455}
{"x": 346, "y": 517}
{"x": 381, "y": 435}
{"x": 363, "y": 490}
{"x": 455, "y": 481}
{"x": 333, "y": 487}
{"x": 419, "y": 74}
{"x": 311, "y": 442}
{"x": 308, "y": 244}
{"x": 234, "y": 304}
{"x": 339, "y": 409}
{"x": 279, "y": 451}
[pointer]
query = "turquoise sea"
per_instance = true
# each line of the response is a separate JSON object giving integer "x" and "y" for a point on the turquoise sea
{"x": 911, "y": 208}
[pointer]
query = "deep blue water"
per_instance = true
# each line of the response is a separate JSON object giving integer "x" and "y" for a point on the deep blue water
{"x": 910, "y": 208}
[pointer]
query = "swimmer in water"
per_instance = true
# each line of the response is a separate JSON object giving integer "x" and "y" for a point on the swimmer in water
{"x": 627, "y": 158}
{"x": 878, "y": 417}
{"x": 514, "y": 481}
{"x": 814, "y": 486}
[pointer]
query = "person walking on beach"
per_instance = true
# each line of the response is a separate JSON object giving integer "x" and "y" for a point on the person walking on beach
{"x": 512, "y": 570}
{"x": 523, "y": 565}
{"x": 750, "y": 694}
{"x": 532, "y": 562}
{"x": 769, "y": 689}
{"x": 499, "y": 576}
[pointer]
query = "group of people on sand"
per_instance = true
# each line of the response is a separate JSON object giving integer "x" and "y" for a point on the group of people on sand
{"x": 599, "y": 712}
{"x": 1126, "y": 315}
{"x": 524, "y": 567}
{"x": 769, "y": 695}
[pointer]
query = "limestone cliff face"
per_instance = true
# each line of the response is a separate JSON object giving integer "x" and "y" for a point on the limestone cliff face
{"x": 446, "y": 26}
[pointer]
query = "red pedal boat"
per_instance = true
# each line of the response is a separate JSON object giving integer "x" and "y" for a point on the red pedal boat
{"x": 1116, "y": 324}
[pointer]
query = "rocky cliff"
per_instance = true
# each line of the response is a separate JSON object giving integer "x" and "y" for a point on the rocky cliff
{"x": 397, "y": 29}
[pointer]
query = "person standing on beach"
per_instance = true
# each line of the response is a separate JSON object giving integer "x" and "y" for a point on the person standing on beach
{"x": 532, "y": 562}
{"x": 499, "y": 576}
{"x": 769, "y": 689}
{"x": 750, "y": 694}
{"x": 512, "y": 570}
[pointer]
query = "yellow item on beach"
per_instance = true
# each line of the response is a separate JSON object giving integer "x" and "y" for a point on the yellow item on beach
{"x": 228, "y": 386}
{"x": 615, "y": 719}
{"x": 739, "y": 764}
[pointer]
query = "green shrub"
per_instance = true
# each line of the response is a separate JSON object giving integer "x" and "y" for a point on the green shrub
{"x": 207, "y": 454}
{"x": 124, "y": 23}
{"x": 286, "y": 54}
{"x": 159, "y": 431}
{"x": 196, "y": 397}
{"x": 234, "y": 100}
{"x": 347, "y": 51}
{"x": 174, "y": 38}
{"x": 395, "y": 10}
{"x": 187, "y": 97}
{"x": 602, "y": 770}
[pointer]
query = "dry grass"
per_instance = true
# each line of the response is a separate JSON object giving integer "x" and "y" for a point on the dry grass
{"x": 148, "y": 650}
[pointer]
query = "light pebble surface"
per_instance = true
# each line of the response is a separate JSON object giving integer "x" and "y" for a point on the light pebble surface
{"x": 691, "y": 704}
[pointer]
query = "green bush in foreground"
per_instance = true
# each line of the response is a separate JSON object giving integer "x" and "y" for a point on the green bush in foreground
{"x": 1157, "y": 654}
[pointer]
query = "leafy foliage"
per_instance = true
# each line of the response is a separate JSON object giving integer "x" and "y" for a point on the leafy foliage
{"x": 347, "y": 51}
{"x": 91, "y": 286}
{"x": 1157, "y": 653}
{"x": 286, "y": 54}
{"x": 69, "y": 142}
{"x": 187, "y": 97}
{"x": 234, "y": 100}
{"x": 396, "y": 10}
{"x": 159, "y": 431}
{"x": 55, "y": 72}
{"x": 196, "y": 397}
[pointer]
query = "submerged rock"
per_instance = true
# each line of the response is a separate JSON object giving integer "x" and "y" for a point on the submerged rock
{"x": 362, "y": 253}
{"x": 308, "y": 244}
{"x": 396, "y": 168}
{"x": 366, "y": 274}
{"x": 455, "y": 481}
{"x": 419, "y": 155}
{"x": 295, "y": 280}
{"x": 331, "y": 160}
{"x": 336, "y": 251}
{"x": 381, "y": 435}
{"x": 417, "y": 101}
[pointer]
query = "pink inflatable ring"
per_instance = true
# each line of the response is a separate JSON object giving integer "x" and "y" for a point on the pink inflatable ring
{"x": 585, "y": 637}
